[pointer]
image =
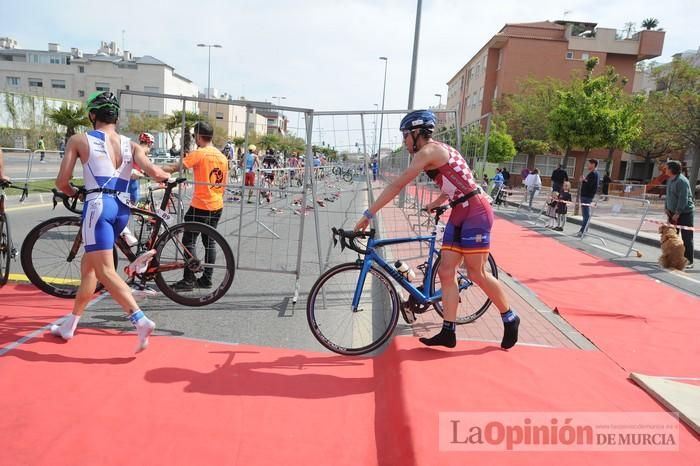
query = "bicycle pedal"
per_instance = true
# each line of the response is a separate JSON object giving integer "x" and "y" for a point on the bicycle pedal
{"x": 408, "y": 316}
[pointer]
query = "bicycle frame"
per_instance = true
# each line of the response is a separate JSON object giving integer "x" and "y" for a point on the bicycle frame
{"x": 155, "y": 234}
{"x": 372, "y": 257}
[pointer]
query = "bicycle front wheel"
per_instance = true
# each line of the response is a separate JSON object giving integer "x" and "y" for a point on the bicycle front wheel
{"x": 5, "y": 249}
{"x": 195, "y": 264}
{"x": 51, "y": 255}
{"x": 473, "y": 302}
{"x": 332, "y": 320}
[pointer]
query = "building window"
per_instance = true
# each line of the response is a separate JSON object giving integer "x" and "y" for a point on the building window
{"x": 81, "y": 69}
{"x": 33, "y": 82}
{"x": 481, "y": 94}
{"x": 55, "y": 60}
{"x": 13, "y": 81}
{"x": 58, "y": 84}
{"x": 153, "y": 113}
{"x": 569, "y": 55}
{"x": 219, "y": 115}
{"x": 584, "y": 56}
{"x": 81, "y": 93}
{"x": 153, "y": 89}
{"x": 102, "y": 87}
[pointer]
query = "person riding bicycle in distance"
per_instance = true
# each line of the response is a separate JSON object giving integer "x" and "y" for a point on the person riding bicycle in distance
{"x": 468, "y": 232}
{"x": 107, "y": 159}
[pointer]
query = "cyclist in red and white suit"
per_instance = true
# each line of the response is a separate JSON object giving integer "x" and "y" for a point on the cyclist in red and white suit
{"x": 468, "y": 232}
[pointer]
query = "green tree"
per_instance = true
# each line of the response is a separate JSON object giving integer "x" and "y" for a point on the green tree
{"x": 677, "y": 108}
{"x": 70, "y": 117}
{"x": 650, "y": 23}
{"x": 144, "y": 123}
{"x": 501, "y": 146}
{"x": 617, "y": 114}
{"x": 652, "y": 142}
{"x": 173, "y": 125}
{"x": 580, "y": 115}
{"x": 526, "y": 115}
{"x": 270, "y": 141}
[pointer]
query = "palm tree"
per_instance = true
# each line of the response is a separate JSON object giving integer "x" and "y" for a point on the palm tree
{"x": 70, "y": 117}
{"x": 650, "y": 23}
{"x": 173, "y": 123}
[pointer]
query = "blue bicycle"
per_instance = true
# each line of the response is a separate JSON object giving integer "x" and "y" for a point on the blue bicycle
{"x": 354, "y": 307}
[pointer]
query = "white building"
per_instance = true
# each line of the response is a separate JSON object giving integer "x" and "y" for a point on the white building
{"x": 74, "y": 75}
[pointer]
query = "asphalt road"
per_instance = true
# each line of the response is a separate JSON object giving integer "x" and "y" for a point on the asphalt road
{"x": 258, "y": 308}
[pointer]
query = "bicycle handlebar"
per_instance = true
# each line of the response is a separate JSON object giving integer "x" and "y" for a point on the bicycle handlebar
{"x": 351, "y": 236}
{"x": 438, "y": 211}
{"x": 8, "y": 184}
{"x": 69, "y": 202}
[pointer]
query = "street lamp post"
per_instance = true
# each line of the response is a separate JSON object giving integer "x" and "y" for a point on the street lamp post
{"x": 439, "y": 101}
{"x": 209, "y": 46}
{"x": 381, "y": 117}
{"x": 374, "y": 138}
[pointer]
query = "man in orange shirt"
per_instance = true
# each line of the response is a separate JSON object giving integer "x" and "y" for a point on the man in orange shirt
{"x": 210, "y": 168}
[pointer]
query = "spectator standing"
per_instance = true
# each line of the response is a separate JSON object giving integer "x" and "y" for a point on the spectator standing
{"x": 533, "y": 184}
{"x": 523, "y": 174}
{"x": 210, "y": 169}
{"x": 559, "y": 176}
{"x": 485, "y": 183}
{"x": 606, "y": 185}
{"x": 589, "y": 187}
{"x": 506, "y": 176}
{"x": 249, "y": 163}
{"x": 497, "y": 184}
{"x": 562, "y": 206}
{"x": 41, "y": 147}
{"x": 62, "y": 147}
{"x": 173, "y": 151}
{"x": 680, "y": 207}
{"x": 375, "y": 169}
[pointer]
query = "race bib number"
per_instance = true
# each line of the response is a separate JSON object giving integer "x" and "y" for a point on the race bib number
{"x": 167, "y": 218}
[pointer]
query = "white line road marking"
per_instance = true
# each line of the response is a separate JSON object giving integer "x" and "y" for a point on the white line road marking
{"x": 7, "y": 348}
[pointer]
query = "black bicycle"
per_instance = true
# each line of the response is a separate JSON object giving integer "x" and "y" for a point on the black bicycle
{"x": 7, "y": 249}
{"x": 52, "y": 252}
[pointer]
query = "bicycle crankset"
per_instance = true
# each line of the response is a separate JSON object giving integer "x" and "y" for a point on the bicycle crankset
{"x": 415, "y": 306}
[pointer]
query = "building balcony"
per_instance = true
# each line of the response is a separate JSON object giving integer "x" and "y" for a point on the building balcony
{"x": 643, "y": 45}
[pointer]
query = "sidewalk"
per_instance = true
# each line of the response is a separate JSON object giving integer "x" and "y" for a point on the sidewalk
{"x": 540, "y": 326}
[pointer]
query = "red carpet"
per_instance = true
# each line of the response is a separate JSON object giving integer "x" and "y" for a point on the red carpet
{"x": 24, "y": 309}
{"x": 643, "y": 325}
{"x": 182, "y": 402}
{"x": 476, "y": 378}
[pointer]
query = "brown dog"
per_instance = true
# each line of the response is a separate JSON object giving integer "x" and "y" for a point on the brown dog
{"x": 672, "y": 249}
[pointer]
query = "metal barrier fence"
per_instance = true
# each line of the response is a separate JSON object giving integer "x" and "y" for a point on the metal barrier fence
{"x": 620, "y": 213}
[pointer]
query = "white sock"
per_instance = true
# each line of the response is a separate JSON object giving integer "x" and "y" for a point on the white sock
{"x": 144, "y": 327}
{"x": 67, "y": 328}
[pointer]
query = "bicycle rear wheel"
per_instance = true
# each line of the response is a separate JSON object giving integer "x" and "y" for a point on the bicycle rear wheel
{"x": 473, "y": 302}
{"x": 336, "y": 326}
{"x": 5, "y": 249}
{"x": 172, "y": 264}
{"x": 51, "y": 258}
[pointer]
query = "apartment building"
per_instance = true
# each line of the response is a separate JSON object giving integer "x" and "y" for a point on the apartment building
{"x": 74, "y": 75}
{"x": 232, "y": 118}
{"x": 543, "y": 49}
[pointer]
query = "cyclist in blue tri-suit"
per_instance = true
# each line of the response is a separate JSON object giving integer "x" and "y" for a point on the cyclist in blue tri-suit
{"x": 468, "y": 233}
{"x": 107, "y": 159}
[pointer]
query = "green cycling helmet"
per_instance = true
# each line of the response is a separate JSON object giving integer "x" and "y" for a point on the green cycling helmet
{"x": 102, "y": 100}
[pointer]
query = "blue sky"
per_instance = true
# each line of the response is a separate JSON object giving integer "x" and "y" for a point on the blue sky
{"x": 319, "y": 54}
